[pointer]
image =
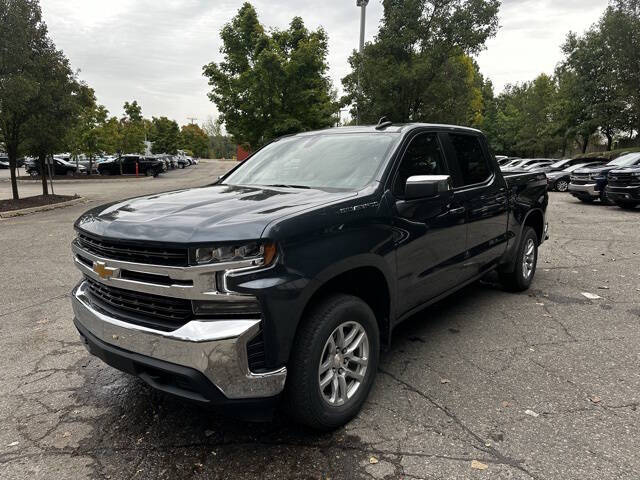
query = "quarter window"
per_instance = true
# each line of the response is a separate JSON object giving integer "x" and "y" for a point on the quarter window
{"x": 423, "y": 157}
{"x": 472, "y": 160}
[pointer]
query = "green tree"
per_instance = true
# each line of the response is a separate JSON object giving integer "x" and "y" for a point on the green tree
{"x": 196, "y": 140}
{"x": 220, "y": 145}
{"x": 23, "y": 44}
{"x": 418, "y": 60}
{"x": 132, "y": 132}
{"x": 89, "y": 136}
{"x": 598, "y": 88}
{"x": 270, "y": 84}
{"x": 620, "y": 29}
{"x": 56, "y": 108}
{"x": 165, "y": 135}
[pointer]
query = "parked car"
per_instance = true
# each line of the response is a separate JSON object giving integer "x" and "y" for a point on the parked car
{"x": 517, "y": 165}
{"x": 589, "y": 184}
{"x": 539, "y": 166}
{"x": 59, "y": 167}
{"x": 290, "y": 274}
{"x": 559, "y": 180}
{"x": 146, "y": 166}
{"x": 183, "y": 162}
{"x": 4, "y": 162}
{"x": 623, "y": 186}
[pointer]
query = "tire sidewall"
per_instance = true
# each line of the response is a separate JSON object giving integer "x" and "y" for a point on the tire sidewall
{"x": 528, "y": 233}
{"x": 345, "y": 309}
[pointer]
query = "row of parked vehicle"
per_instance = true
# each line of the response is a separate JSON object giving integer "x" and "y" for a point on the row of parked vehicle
{"x": 64, "y": 164}
{"x": 588, "y": 179}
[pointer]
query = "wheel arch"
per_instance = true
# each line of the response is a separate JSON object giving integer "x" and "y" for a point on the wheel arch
{"x": 366, "y": 277}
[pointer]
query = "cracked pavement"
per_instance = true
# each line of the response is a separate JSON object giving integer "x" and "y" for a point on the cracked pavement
{"x": 540, "y": 385}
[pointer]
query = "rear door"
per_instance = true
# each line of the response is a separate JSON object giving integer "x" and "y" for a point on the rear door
{"x": 431, "y": 231}
{"x": 483, "y": 193}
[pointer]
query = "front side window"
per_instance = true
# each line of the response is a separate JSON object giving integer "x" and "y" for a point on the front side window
{"x": 341, "y": 161}
{"x": 423, "y": 157}
{"x": 472, "y": 162}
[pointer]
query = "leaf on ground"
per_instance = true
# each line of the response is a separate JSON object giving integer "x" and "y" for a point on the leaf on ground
{"x": 591, "y": 296}
{"x": 531, "y": 413}
{"x": 595, "y": 399}
{"x": 445, "y": 380}
{"x": 476, "y": 465}
{"x": 13, "y": 444}
{"x": 373, "y": 460}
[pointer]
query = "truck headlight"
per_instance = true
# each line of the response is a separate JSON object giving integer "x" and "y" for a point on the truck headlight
{"x": 636, "y": 174}
{"x": 260, "y": 254}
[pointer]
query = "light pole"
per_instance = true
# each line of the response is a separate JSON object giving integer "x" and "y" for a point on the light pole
{"x": 363, "y": 18}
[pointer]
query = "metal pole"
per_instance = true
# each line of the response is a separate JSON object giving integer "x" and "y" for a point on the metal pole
{"x": 363, "y": 18}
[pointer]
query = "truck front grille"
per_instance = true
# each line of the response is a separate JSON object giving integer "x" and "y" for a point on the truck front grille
{"x": 152, "y": 311}
{"x": 623, "y": 180}
{"x": 177, "y": 257}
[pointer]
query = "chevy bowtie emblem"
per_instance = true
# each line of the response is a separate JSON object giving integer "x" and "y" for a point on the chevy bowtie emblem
{"x": 103, "y": 271}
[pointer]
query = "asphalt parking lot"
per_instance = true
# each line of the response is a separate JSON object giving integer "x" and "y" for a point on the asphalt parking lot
{"x": 540, "y": 385}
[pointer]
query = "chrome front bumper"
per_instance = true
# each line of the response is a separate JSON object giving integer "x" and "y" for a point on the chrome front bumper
{"x": 215, "y": 348}
{"x": 589, "y": 189}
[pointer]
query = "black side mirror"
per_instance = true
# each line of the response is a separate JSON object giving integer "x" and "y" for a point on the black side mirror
{"x": 424, "y": 186}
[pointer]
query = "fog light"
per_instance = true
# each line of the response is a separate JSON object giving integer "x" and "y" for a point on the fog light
{"x": 246, "y": 305}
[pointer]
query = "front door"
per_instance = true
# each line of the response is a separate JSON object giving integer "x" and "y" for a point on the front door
{"x": 431, "y": 231}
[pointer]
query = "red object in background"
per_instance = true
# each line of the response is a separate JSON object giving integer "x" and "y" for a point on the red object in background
{"x": 136, "y": 169}
{"x": 242, "y": 154}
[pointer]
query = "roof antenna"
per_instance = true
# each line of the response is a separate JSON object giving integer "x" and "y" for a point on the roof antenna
{"x": 383, "y": 123}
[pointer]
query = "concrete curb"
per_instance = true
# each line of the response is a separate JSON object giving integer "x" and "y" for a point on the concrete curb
{"x": 42, "y": 208}
{"x": 106, "y": 179}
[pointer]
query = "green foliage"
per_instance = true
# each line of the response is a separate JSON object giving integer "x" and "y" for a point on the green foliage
{"x": 24, "y": 46}
{"x": 89, "y": 135}
{"x": 271, "y": 84}
{"x": 220, "y": 145}
{"x": 131, "y": 132}
{"x": 525, "y": 123}
{"x": 196, "y": 140}
{"x": 165, "y": 135}
{"x": 418, "y": 67}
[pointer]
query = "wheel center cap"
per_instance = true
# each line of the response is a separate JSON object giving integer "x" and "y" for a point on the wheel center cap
{"x": 337, "y": 360}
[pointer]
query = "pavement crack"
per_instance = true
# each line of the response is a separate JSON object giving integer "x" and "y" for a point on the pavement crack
{"x": 499, "y": 457}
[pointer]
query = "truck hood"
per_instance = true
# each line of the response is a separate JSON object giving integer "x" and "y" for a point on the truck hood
{"x": 603, "y": 169}
{"x": 632, "y": 169}
{"x": 217, "y": 213}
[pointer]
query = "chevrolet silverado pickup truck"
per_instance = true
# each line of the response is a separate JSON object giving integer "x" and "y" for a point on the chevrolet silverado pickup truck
{"x": 623, "y": 187}
{"x": 282, "y": 280}
{"x": 589, "y": 184}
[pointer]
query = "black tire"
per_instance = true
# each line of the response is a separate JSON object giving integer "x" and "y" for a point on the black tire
{"x": 561, "y": 185}
{"x": 182, "y": 165}
{"x": 627, "y": 205}
{"x": 304, "y": 397}
{"x": 586, "y": 199}
{"x": 34, "y": 174}
{"x": 518, "y": 280}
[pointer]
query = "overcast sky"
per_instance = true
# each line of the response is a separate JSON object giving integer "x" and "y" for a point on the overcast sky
{"x": 153, "y": 50}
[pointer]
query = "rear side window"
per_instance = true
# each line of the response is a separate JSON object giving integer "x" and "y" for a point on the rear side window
{"x": 472, "y": 161}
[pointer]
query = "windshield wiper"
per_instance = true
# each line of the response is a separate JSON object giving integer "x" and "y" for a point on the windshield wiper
{"x": 282, "y": 185}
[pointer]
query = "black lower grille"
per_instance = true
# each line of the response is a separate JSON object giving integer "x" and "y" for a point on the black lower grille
{"x": 153, "y": 311}
{"x": 256, "y": 354}
{"x": 177, "y": 257}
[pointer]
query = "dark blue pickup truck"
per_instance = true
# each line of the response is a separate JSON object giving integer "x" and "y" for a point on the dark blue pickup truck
{"x": 285, "y": 278}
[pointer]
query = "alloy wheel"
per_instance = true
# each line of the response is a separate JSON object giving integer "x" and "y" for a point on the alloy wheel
{"x": 343, "y": 363}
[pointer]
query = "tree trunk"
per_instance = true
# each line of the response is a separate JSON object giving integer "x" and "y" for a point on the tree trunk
{"x": 609, "y": 142}
{"x": 585, "y": 144}
{"x": 12, "y": 167}
{"x": 90, "y": 165}
{"x": 42, "y": 159}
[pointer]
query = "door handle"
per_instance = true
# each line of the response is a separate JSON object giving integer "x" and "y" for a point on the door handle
{"x": 457, "y": 211}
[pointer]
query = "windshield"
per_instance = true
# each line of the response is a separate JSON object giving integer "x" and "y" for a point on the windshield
{"x": 625, "y": 160}
{"x": 344, "y": 161}
{"x": 577, "y": 166}
{"x": 560, "y": 164}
